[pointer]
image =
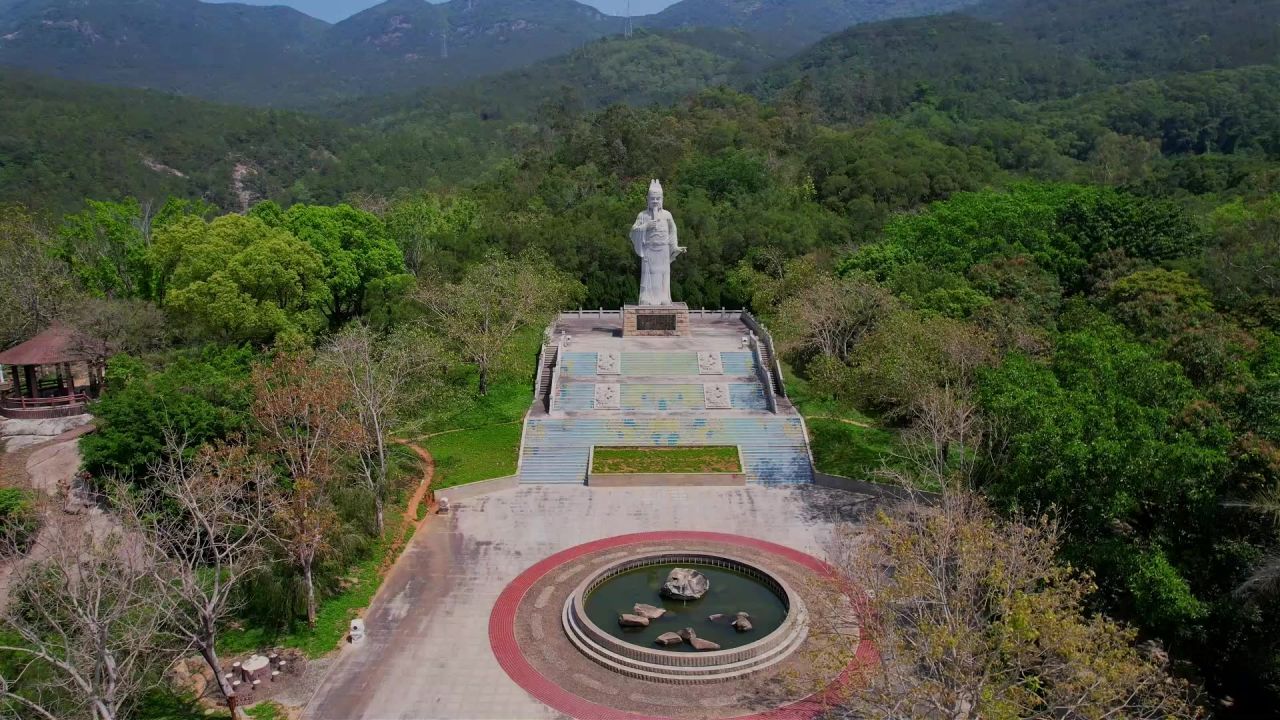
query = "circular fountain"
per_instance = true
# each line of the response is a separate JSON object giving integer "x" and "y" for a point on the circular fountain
{"x": 747, "y": 619}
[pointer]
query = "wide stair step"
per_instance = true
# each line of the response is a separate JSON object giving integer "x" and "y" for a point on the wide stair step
{"x": 658, "y": 398}
{"x": 557, "y": 451}
{"x": 657, "y": 364}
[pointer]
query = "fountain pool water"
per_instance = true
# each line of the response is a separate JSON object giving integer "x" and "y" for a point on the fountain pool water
{"x": 731, "y": 592}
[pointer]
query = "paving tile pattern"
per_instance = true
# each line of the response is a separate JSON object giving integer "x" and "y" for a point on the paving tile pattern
{"x": 428, "y": 654}
{"x": 551, "y": 669}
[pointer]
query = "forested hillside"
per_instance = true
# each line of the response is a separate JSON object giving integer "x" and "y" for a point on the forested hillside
{"x": 792, "y": 23}
{"x": 220, "y": 51}
{"x": 650, "y": 67}
{"x": 1027, "y": 252}
{"x": 62, "y": 141}
{"x": 1135, "y": 37}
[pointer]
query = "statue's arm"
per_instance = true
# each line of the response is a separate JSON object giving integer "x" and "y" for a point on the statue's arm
{"x": 637, "y": 235}
{"x": 676, "y": 250}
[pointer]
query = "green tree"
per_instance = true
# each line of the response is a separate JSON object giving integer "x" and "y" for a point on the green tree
{"x": 975, "y": 617}
{"x": 238, "y": 279}
{"x": 1120, "y": 441}
{"x": 1240, "y": 266}
{"x": 199, "y": 396}
{"x": 361, "y": 262}
{"x": 1158, "y": 304}
{"x": 1061, "y": 227}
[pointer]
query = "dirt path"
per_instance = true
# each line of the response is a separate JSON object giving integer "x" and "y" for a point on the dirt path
{"x": 424, "y": 491}
{"x": 846, "y": 421}
{"x": 428, "y": 436}
{"x": 49, "y": 468}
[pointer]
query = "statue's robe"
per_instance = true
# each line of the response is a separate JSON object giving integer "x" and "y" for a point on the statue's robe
{"x": 654, "y": 239}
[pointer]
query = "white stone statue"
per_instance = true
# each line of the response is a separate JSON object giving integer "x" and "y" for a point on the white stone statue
{"x": 654, "y": 239}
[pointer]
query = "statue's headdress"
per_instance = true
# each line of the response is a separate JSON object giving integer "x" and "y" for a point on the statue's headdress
{"x": 655, "y": 188}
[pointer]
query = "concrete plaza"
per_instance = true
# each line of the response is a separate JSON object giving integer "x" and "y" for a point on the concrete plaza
{"x": 427, "y": 654}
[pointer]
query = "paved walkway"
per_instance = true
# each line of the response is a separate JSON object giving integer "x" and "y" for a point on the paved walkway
{"x": 427, "y": 654}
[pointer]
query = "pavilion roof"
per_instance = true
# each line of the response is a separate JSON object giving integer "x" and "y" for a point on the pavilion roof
{"x": 57, "y": 344}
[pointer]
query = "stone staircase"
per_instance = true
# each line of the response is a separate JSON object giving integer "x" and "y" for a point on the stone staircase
{"x": 767, "y": 360}
{"x": 549, "y": 353}
{"x": 576, "y": 397}
{"x": 661, "y": 398}
{"x": 558, "y": 450}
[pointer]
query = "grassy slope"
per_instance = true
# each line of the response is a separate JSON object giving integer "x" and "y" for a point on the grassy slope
{"x": 476, "y": 454}
{"x": 844, "y": 440}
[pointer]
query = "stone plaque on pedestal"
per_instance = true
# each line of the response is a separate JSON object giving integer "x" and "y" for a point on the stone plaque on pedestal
{"x": 608, "y": 396}
{"x": 716, "y": 396}
{"x": 608, "y": 363}
{"x": 656, "y": 320}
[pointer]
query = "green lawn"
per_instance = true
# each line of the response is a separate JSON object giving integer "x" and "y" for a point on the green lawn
{"x": 666, "y": 460}
{"x": 849, "y": 450}
{"x": 164, "y": 704}
{"x": 811, "y": 404}
{"x": 475, "y": 454}
{"x": 845, "y": 440}
{"x": 507, "y": 401}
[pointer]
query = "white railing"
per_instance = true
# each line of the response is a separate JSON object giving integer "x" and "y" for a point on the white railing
{"x": 701, "y": 313}
{"x": 554, "y": 390}
{"x": 775, "y": 365}
{"x": 537, "y": 378}
{"x": 762, "y": 374}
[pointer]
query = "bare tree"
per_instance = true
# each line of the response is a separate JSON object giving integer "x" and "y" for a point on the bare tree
{"x": 1265, "y": 580}
{"x": 480, "y": 316}
{"x": 299, "y": 410}
{"x": 944, "y": 442}
{"x": 382, "y": 376}
{"x": 829, "y": 315}
{"x": 208, "y": 516}
{"x": 89, "y": 620}
{"x": 104, "y": 327}
{"x": 973, "y": 619}
{"x": 36, "y": 287}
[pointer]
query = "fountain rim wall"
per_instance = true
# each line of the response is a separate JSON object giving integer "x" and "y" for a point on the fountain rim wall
{"x": 669, "y": 666}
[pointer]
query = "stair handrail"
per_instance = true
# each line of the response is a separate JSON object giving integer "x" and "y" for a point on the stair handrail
{"x": 762, "y": 374}
{"x": 775, "y": 366}
{"x": 537, "y": 378}
{"x": 555, "y": 375}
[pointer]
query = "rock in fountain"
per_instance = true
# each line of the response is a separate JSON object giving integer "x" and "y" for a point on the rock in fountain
{"x": 649, "y": 611}
{"x": 670, "y": 638}
{"x": 628, "y": 620}
{"x": 741, "y": 621}
{"x": 691, "y": 637}
{"x": 685, "y": 584}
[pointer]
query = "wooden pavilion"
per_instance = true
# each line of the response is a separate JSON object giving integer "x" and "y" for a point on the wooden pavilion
{"x": 49, "y": 376}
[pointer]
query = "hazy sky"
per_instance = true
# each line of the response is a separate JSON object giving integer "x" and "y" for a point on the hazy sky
{"x": 334, "y": 10}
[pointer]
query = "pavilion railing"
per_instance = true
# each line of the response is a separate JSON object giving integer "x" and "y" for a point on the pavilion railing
{"x": 18, "y": 402}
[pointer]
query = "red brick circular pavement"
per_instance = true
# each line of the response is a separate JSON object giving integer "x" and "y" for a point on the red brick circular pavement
{"x": 502, "y": 637}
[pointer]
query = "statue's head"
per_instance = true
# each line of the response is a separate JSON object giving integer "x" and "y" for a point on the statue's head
{"x": 655, "y": 196}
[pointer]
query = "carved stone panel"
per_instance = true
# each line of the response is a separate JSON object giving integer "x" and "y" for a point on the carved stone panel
{"x": 608, "y": 396}
{"x": 716, "y": 396}
{"x": 709, "y": 363}
{"x": 608, "y": 363}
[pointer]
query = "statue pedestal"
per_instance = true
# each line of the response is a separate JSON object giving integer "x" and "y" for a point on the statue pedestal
{"x": 656, "y": 320}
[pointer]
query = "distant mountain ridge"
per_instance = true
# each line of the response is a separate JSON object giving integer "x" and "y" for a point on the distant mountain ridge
{"x": 278, "y": 56}
{"x": 985, "y": 59}
{"x": 793, "y": 22}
